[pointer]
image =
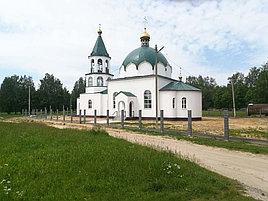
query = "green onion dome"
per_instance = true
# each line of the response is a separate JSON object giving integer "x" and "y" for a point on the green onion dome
{"x": 142, "y": 54}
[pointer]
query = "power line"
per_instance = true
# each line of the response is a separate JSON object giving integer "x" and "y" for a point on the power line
{"x": 179, "y": 66}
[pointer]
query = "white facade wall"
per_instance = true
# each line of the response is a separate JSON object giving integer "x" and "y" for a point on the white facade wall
{"x": 145, "y": 68}
{"x": 193, "y": 102}
{"x": 137, "y": 86}
{"x": 99, "y": 103}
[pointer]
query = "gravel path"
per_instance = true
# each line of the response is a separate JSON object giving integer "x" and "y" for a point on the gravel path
{"x": 249, "y": 169}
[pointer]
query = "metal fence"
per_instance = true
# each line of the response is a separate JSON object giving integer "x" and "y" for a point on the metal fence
{"x": 82, "y": 119}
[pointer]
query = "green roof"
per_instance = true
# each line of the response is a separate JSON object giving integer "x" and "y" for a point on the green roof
{"x": 99, "y": 48}
{"x": 142, "y": 54}
{"x": 178, "y": 86}
{"x": 126, "y": 93}
{"x": 104, "y": 91}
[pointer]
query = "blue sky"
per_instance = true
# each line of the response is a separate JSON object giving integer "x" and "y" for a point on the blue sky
{"x": 209, "y": 38}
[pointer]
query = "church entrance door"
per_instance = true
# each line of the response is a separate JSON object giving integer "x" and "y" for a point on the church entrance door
{"x": 121, "y": 106}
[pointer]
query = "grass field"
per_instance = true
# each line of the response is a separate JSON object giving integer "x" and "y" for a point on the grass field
{"x": 38, "y": 162}
{"x": 4, "y": 116}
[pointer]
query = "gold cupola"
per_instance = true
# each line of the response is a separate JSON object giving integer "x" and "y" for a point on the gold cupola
{"x": 145, "y": 38}
{"x": 99, "y": 31}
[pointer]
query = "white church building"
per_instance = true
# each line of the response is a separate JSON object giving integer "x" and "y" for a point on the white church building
{"x": 135, "y": 89}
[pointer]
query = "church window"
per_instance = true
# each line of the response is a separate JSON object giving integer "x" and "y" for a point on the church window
{"x": 90, "y": 82}
{"x": 99, "y": 81}
{"x": 173, "y": 103}
{"x": 99, "y": 65}
{"x": 147, "y": 99}
{"x": 114, "y": 95}
{"x": 92, "y": 65}
{"x": 106, "y": 66}
{"x": 183, "y": 102}
{"x": 89, "y": 104}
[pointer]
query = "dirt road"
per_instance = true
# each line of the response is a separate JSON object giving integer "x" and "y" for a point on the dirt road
{"x": 249, "y": 169}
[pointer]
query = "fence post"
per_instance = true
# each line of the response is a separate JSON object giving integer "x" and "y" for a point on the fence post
{"x": 95, "y": 117}
{"x": 45, "y": 113}
{"x": 50, "y": 114}
{"x": 108, "y": 118}
{"x": 63, "y": 113}
{"x": 80, "y": 117}
{"x": 122, "y": 118}
{"x": 71, "y": 115}
{"x": 226, "y": 125}
{"x": 57, "y": 114}
{"x": 190, "y": 122}
{"x": 84, "y": 116}
{"x": 22, "y": 113}
{"x": 25, "y": 112}
{"x": 162, "y": 121}
{"x": 140, "y": 119}
{"x": 41, "y": 114}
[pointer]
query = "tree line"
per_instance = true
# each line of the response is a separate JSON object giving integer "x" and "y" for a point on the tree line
{"x": 252, "y": 88}
{"x": 14, "y": 91}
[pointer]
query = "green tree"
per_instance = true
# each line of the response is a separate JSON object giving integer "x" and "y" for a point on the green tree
{"x": 79, "y": 88}
{"x": 24, "y": 83}
{"x": 262, "y": 85}
{"x": 240, "y": 89}
{"x": 9, "y": 94}
{"x": 207, "y": 85}
{"x": 50, "y": 92}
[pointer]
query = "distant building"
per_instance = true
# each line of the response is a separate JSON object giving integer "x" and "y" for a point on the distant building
{"x": 134, "y": 90}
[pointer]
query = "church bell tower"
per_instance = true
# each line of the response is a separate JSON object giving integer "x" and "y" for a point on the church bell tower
{"x": 99, "y": 67}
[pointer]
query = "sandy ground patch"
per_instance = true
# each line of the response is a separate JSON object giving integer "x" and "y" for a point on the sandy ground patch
{"x": 249, "y": 169}
{"x": 214, "y": 125}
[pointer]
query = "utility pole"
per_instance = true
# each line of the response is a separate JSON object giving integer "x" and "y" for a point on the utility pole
{"x": 156, "y": 87}
{"x": 233, "y": 97}
{"x": 156, "y": 90}
{"x": 29, "y": 101}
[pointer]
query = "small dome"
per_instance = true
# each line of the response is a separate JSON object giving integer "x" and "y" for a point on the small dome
{"x": 145, "y": 34}
{"x": 142, "y": 54}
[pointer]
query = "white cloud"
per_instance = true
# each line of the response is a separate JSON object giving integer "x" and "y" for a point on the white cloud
{"x": 56, "y": 36}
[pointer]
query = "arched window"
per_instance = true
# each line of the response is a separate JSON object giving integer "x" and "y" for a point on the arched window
{"x": 99, "y": 65}
{"x": 106, "y": 66}
{"x": 114, "y": 95}
{"x": 173, "y": 103}
{"x": 183, "y": 102}
{"x": 92, "y": 65}
{"x": 99, "y": 81}
{"x": 89, "y": 104}
{"x": 90, "y": 82}
{"x": 147, "y": 99}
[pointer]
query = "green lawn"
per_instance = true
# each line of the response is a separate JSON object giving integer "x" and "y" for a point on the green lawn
{"x": 4, "y": 116}
{"x": 218, "y": 113}
{"x": 38, "y": 162}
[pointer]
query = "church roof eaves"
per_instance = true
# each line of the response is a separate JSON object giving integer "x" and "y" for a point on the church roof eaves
{"x": 178, "y": 86}
{"x": 126, "y": 93}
